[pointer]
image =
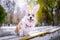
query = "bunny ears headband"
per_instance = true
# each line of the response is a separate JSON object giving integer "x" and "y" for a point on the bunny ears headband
{"x": 34, "y": 10}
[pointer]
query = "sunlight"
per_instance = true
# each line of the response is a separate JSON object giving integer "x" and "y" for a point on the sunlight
{"x": 3, "y": 0}
{"x": 20, "y": 3}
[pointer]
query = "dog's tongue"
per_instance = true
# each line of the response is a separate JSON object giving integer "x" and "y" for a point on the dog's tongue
{"x": 30, "y": 21}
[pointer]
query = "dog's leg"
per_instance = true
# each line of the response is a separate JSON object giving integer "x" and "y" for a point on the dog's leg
{"x": 21, "y": 33}
{"x": 18, "y": 28}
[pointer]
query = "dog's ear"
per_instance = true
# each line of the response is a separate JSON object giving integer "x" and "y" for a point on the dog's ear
{"x": 27, "y": 9}
{"x": 35, "y": 9}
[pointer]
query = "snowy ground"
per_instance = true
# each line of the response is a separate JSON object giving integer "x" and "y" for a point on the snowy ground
{"x": 8, "y": 33}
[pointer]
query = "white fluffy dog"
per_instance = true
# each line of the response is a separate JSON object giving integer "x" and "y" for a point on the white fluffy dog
{"x": 27, "y": 22}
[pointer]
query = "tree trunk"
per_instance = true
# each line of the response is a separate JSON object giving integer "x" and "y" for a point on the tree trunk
{"x": 55, "y": 17}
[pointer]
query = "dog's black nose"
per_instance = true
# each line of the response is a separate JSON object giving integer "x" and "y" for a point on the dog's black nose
{"x": 30, "y": 17}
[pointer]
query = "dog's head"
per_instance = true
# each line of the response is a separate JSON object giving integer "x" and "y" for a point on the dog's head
{"x": 31, "y": 14}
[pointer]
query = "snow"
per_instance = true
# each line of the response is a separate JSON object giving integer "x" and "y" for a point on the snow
{"x": 7, "y": 30}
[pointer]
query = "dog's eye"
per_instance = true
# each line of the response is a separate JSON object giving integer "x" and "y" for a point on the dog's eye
{"x": 33, "y": 15}
{"x": 28, "y": 14}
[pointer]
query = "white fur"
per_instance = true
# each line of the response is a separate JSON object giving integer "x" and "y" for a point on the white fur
{"x": 24, "y": 21}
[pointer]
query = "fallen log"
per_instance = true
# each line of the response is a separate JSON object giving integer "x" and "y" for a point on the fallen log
{"x": 48, "y": 31}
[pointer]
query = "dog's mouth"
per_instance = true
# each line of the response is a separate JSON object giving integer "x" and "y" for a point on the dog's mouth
{"x": 30, "y": 20}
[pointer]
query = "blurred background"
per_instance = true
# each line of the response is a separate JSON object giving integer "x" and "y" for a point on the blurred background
{"x": 48, "y": 13}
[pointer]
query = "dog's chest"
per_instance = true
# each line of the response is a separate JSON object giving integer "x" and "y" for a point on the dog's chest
{"x": 25, "y": 26}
